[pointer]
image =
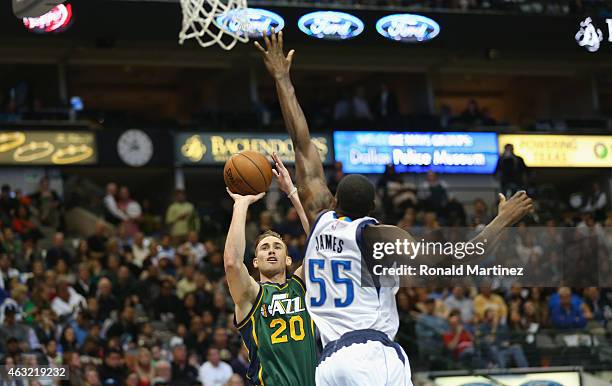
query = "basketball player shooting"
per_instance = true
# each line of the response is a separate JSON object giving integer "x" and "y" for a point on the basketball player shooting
{"x": 357, "y": 324}
{"x": 270, "y": 314}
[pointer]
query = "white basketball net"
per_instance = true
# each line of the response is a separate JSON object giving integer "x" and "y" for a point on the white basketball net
{"x": 200, "y": 22}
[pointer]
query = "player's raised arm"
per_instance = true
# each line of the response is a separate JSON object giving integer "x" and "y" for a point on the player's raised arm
{"x": 311, "y": 180}
{"x": 509, "y": 212}
{"x": 242, "y": 286}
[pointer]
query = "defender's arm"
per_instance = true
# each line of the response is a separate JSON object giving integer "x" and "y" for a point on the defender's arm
{"x": 313, "y": 190}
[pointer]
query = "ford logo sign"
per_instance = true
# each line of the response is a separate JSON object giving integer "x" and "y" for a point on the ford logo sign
{"x": 407, "y": 28}
{"x": 250, "y": 21}
{"x": 330, "y": 25}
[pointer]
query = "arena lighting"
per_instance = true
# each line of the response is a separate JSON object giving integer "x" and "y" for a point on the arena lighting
{"x": 407, "y": 28}
{"x": 253, "y": 21}
{"x": 330, "y": 25}
{"x": 56, "y": 20}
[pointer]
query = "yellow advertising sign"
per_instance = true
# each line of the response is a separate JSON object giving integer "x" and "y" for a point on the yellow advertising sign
{"x": 47, "y": 148}
{"x": 217, "y": 148}
{"x": 561, "y": 151}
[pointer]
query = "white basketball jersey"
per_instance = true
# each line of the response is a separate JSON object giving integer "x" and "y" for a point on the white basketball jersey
{"x": 334, "y": 296}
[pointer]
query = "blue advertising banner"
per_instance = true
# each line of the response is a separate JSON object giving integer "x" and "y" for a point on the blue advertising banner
{"x": 370, "y": 151}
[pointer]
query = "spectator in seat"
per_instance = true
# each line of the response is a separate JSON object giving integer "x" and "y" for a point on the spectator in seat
{"x": 408, "y": 222}
{"x": 496, "y": 344}
{"x": 429, "y": 328}
{"x": 343, "y": 109}
{"x": 214, "y": 372}
{"x": 92, "y": 377}
{"x": 397, "y": 195}
{"x": 67, "y": 301}
{"x": 567, "y": 312}
{"x": 471, "y": 115}
{"x": 240, "y": 364}
{"x": 8, "y": 204}
{"x": 13, "y": 246}
{"x": 183, "y": 374}
{"x": 84, "y": 281}
{"x": 235, "y": 380}
{"x": 512, "y": 171}
{"x": 187, "y": 282}
{"x": 11, "y": 328}
{"x": 460, "y": 342}
{"x": 48, "y": 205}
{"x": 487, "y": 299}
{"x": 140, "y": 250}
{"x": 167, "y": 305}
{"x": 125, "y": 286}
{"x": 132, "y": 209}
{"x": 193, "y": 249}
{"x": 361, "y": 109}
{"x": 181, "y": 217}
{"x": 197, "y": 337}
{"x": 113, "y": 214}
{"x": 454, "y": 212}
{"x": 486, "y": 118}
{"x": 126, "y": 327}
{"x": 23, "y": 225}
{"x": 58, "y": 251}
{"x": 107, "y": 302}
{"x": 599, "y": 307}
{"x": 386, "y": 104}
{"x": 163, "y": 370}
{"x": 7, "y": 272}
{"x": 596, "y": 202}
{"x": 434, "y": 193}
{"x": 18, "y": 299}
{"x": 68, "y": 342}
{"x": 480, "y": 215}
{"x": 97, "y": 241}
{"x": 113, "y": 371}
{"x": 458, "y": 301}
{"x": 144, "y": 366}
{"x": 334, "y": 178}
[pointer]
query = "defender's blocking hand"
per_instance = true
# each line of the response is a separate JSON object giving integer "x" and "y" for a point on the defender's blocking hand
{"x": 517, "y": 207}
{"x": 276, "y": 62}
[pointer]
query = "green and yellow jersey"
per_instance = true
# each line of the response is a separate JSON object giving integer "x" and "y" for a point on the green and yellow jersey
{"x": 279, "y": 335}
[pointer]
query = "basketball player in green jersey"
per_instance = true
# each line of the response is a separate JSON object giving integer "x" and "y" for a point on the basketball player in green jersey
{"x": 270, "y": 314}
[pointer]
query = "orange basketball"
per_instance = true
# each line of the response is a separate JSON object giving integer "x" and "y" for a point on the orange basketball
{"x": 247, "y": 172}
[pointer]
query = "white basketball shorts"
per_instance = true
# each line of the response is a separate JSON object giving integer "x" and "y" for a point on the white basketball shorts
{"x": 363, "y": 357}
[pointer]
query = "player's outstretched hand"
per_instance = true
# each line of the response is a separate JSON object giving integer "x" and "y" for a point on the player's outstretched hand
{"x": 249, "y": 199}
{"x": 282, "y": 175}
{"x": 276, "y": 62}
{"x": 517, "y": 207}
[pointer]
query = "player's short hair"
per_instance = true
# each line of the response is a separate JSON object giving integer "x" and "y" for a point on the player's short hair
{"x": 355, "y": 196}
{"x": 267, "y": 233}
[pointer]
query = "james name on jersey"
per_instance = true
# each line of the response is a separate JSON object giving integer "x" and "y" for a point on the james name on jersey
{"x": 282, "y": 305}
{"x": 327, "y": 242}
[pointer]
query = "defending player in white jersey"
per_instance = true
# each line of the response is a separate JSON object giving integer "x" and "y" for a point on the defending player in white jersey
{"x": 357, "y": 323}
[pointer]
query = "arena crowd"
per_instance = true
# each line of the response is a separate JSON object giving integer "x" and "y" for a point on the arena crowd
{"x": 143, "y": 300}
